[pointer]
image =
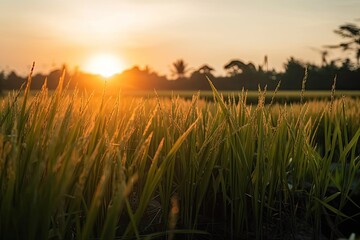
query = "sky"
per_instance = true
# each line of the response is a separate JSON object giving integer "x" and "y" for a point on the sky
{"x": 158, "y": 32}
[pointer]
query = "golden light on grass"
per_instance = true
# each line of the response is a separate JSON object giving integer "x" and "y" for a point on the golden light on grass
{"x": 105, "y": 65}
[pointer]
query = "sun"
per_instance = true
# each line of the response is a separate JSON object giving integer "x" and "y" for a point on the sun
{"x": 105, "y": 65}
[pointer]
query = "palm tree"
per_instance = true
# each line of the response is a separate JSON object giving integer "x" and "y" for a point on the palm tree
{"x": 351, "y": 33}
{"x": 180, "y": 68}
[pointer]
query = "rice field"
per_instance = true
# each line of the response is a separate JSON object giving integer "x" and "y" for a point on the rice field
{"x": 251, "y": 96}
{"x": 79, "y": 166}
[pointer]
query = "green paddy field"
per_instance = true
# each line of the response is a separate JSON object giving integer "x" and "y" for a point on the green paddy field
{"x": 182, "y": 165}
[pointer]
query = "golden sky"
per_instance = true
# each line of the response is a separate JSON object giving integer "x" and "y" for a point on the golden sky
{"x": 158, "y": 32}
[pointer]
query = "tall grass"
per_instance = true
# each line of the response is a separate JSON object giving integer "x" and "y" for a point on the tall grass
{"x": 78, "y": 166}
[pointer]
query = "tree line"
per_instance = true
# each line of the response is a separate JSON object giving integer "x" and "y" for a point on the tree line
{"x": 240, "y": 74}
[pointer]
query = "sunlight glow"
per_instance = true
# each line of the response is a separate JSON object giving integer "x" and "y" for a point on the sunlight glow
{"x": 105, "y": 65}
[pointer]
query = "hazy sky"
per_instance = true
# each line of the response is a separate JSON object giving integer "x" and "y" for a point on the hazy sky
{"x": 158, "y": 32}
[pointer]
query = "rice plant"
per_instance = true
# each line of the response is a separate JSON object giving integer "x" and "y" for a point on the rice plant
{"x": 79, "y": 166}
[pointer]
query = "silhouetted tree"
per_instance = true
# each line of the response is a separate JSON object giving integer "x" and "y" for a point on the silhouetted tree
{"x": 293, "y": 75}
{"x": 250, "y": 67}
{"x": 147, "y": 69}
{"x": 205, "y": 69}
{"x": 13, "y": 81}
{"x": 180, "y": 68}
{"x": 235, "y": 67}
{"x": 346, "y": 64}
{"x": 266, "y": 63}
{"x": 2, "y": 78}
{"x": 351, "y": 34}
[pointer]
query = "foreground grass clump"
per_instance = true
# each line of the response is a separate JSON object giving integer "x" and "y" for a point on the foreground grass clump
{"x": 74, "y": 166}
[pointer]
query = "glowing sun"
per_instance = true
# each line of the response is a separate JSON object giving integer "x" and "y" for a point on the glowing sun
{"x": 105, "y": 65}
